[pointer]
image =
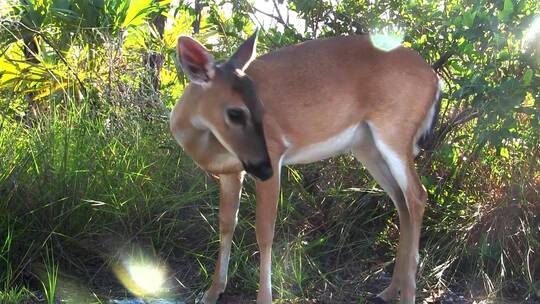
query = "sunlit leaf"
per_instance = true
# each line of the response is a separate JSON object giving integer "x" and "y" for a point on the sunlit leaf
{"x": 503, "y": 151}
{"x": 137, "y": 12}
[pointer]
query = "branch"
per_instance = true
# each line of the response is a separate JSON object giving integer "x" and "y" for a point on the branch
{"x": 278, "y": 18}
{"x": 278, "y": 12}
{"x": 444, "y": 58}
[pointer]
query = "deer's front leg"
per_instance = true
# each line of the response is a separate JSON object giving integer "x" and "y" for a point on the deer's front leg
{"x": 267, "y": 200}
{"x": 229, "y": 200}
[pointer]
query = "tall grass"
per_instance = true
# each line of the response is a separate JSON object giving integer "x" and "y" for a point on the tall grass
{"x": 50, "y": 278}
{"x": 83, "y": 186}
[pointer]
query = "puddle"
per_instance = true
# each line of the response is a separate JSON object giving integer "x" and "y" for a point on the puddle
{"x": 147, "y": 301}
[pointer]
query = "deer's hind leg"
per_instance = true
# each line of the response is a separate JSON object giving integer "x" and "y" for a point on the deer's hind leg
{"x": 390, "y": 162}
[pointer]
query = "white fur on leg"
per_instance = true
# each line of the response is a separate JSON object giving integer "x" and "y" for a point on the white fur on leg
{"x": 211, "y": 295}
{"x": 394, "y": 161}
{"x": 224, "y": 259}
{"x": 265, "y": 281}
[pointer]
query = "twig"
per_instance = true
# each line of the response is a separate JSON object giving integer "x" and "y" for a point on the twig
{"x": 278, "y": 18}
{"x": 278, "y": 12}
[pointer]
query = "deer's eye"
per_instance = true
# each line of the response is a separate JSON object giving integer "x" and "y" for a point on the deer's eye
{"x": 236, "y": 116}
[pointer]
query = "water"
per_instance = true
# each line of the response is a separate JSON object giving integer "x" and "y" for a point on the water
{"x": 147, "y": 301}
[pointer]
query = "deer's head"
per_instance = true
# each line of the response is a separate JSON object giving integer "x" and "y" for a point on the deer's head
{"x": 226, "y": 102}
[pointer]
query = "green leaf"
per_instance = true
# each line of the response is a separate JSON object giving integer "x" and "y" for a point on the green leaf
{"x": 508, "y": 9}
{"x": 137, "y": 12}
{"x": 468, "y": 18}
{"x": 527, "y": 77}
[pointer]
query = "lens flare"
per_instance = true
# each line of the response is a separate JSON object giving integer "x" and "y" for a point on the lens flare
{"x": 5, "y": 8}
{"x": 142, "y": 276}
{"x": 387, "y": 39}
{"x": 531, "y": 37}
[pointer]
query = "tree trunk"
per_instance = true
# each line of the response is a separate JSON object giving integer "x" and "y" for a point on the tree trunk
{"x": 30, "y": 51}
{"x": 197, "y": 22}
{"x": 153, "y": 61}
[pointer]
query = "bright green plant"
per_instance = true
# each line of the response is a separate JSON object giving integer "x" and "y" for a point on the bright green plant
{"x": 50, "y": 280}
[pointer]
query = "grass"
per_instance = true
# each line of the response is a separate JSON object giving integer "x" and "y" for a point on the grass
{"x": 83, "y": 188}
{"x": 50, "y": 280}
{"x": 14, "y": 295}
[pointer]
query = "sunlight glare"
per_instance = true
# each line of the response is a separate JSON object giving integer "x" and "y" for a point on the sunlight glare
{"x": 142, "y": 277}
{"x": 148, "y": 277}
{"x": 5, "y": 7}
{"x": 531, "y": 39}
{"x": 387, "y": 38}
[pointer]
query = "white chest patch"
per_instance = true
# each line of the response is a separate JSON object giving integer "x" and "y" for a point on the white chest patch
{"x": 336, "y": 145}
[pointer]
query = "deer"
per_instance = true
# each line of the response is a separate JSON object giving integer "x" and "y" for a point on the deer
{"x": 300, "y": 104}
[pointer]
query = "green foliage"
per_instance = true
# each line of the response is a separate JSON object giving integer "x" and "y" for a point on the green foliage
{"x": 88, "y": 167}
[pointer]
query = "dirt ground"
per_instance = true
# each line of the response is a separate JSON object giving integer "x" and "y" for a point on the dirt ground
{"x": 347, "y": 289}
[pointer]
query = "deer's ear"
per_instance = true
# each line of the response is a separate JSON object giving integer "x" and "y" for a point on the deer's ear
{"x": 195, "y": 60}
{"x": 245, "y": 53}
